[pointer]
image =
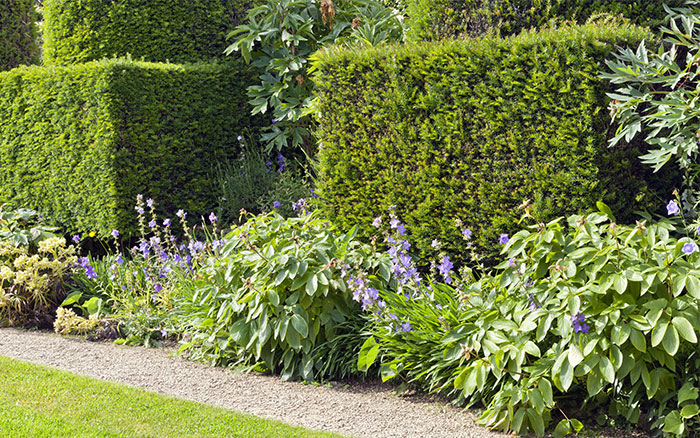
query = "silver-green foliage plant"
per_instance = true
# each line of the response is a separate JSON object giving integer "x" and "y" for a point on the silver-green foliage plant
{"x": 275, "y": 296}
{"x": 584, "y": 313}
{"x": 657, "y": 96}
{"x": 280, "y": 35}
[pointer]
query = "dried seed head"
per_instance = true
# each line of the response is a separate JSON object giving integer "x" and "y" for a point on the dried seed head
{"x": 356, "y": 23}
{"x": 327, "y": 12}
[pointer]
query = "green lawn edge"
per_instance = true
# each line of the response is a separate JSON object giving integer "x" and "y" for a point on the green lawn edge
{"x": 36, "y": 401}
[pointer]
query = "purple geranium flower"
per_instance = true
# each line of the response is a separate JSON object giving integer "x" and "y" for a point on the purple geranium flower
{"x": 673, "y": 208}
{"x": 689, "y": 248}
{"x": 503, "y": 239}
{"x": 276, "y": 204}
{"x": 578, "y": 321}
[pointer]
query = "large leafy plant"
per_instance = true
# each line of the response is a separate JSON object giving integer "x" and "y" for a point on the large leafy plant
{"x": 279, "y": 37}
{"x": 657, "y": 96}
{"x": 276, "y": 296}
{"x": 583, "y": 313}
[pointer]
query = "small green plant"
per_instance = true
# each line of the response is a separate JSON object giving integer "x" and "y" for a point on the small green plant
{"x": 279, "y": 37}
{"x": 258, "y": 183}
{"x": 275, "y": 296}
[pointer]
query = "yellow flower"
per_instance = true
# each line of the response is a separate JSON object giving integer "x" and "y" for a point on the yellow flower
{"x": 92, "y": 234}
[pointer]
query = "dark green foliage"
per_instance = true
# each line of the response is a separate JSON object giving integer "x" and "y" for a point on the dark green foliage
{"x": 155, "y": 30}
{"x": 469, "y": 130}
{"x": 438, "y": 19}
{"x": 78, "y": 143}
{"x": 18, "y": 37}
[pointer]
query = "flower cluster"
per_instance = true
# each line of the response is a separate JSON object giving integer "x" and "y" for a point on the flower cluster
{"x": 578, "y": 321}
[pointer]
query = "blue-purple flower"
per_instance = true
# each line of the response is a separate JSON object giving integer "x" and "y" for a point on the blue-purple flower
{"x": 689, "y": 248}
{"x": 578, "y": 321}
{"x": 673, "y": 208}
{"x": 149, "y": 203}
{"x": 467, "y": 233}
{"x": 503, "y": 239}
{"x": 152, "y": 224}
{"x": 276, "y": 204}
{"x": 406, "y": 327}
{"x": 445, "y": 267}
{"x": 115, "y": 233}
{"x": 76, "y": 238}
{"x": 281, "y": 162}
{"x": 212, "y": 217}
{"x": 377, "y": 222}
{"x": 166, "y": 222}
{"x": 158, "y": 287}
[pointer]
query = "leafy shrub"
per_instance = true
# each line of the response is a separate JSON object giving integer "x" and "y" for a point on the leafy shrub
{"x": 276, "y": 295}
{"x": 474, "y": 128}
{"x": 655, "y": 98}
{"x": 583, "y": 313}
{"x": 439, "y": 19}
{"x": 258, "y": 183}
{"x": 152, "y": 30}
{"x": 32, "y": 275}
{"x": 279, "y": 37}
{"x": 18, "y": 35}
{"x": 78, "y": 143}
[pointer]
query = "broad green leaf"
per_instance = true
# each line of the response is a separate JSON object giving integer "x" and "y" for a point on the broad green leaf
{"x": 671, "y": 341}
{"x": 690, "y": 411}
{"x": 687, "y": 392}
{"x": 546, "y": 389}
{"x": 657, "y": 334}
{"x": 685, "y": 329}
{"x": 638, "y": 340}
{"x": 606, "y": 369}
{"x": 575, "y": 357}
{"x": 368, "y": 354}
{"x": 562, "y": 429}
{"x": 567, "y": 375}
{"x": 312, "y": 285}
{"x": 673, "y": 423}
{"x": 536, "y": 421}
{"x": 300, "y": 325}
{"x": 619, "y": 283}
{"x": 692, "y": 285}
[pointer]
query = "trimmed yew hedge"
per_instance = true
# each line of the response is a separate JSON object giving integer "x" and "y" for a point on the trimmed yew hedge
{"x": 18, "y": 36}
{"x": 79, "y": 143}
{"x": 154, "y": 30}
{"x": 470, "y": 129}
{"x": 438, "y": 19}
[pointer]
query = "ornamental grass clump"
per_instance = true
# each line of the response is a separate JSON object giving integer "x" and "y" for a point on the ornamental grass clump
{"x": 275, "y": 297}
{"x": 583, "y": 315}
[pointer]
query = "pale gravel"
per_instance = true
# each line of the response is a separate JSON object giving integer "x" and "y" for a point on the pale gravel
{"x": 361, "y": 410}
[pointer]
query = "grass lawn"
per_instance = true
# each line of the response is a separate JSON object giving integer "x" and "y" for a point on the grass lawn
{"x": 40, "y": 402}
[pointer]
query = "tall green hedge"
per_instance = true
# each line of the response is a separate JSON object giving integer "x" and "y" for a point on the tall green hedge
{"x": 469, "y": 129}
{"x": 438, "y": 19}
{"x": 18, "y": 36}
{"x": 156, "y": 30}
{"x": 78, "y": 143}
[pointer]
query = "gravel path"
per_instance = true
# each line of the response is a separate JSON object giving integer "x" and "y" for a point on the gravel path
{"x": 363, "y": 410}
